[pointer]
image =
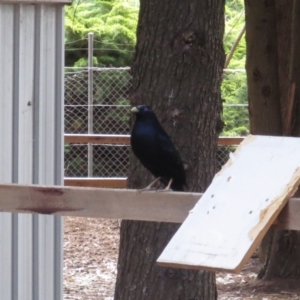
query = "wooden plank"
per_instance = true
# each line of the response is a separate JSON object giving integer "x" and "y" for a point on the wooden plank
{"x": 115, "y": 204}
{"x": 235, "y": 212}
{"x": 289, "y": 218}
{"x": 96, "y": 182}
{"x": 97, "y": 202}
{"x": 229, "y": 141}
{"x": 97, "y": 139}
{"x": 125, "y": 139}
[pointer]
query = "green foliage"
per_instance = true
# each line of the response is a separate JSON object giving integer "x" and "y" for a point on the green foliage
{"x": 235, "y": 111}
{"x": 83, "y": 62}
{"x": 113, "y": 24}
{"x": 234, "y": 85}
{"x": 234, "y": 23}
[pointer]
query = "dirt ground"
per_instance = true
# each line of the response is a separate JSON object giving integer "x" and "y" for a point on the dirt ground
{"x": 90, "y": 261}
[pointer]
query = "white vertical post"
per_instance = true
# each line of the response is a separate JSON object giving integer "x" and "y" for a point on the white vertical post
{"x": 90, "y": 101}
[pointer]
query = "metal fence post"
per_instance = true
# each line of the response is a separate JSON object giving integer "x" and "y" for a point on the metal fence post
{"x": 90, "y": 101}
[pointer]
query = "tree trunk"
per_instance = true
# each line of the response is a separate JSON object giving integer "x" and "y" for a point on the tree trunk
{"x": 261, "y": 66}
{"x": 177, "y": 70}
{"x": 283, "y": 27}
{"x": 272, "y": 37}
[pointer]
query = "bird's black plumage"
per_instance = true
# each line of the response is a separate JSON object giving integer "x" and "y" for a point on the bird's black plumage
{"x": 155, "y": 150}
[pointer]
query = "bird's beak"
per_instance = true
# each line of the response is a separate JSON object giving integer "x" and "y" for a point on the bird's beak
{"x": 134, "y": 110}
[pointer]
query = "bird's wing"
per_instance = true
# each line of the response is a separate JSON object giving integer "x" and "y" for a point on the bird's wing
{"x": 171, "y": 165}
{"x": 168, "y": 151}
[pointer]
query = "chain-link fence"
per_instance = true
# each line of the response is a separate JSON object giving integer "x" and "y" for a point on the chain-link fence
{"x": 103, "y": 108}
{"x": 109, "y": 100}
{"x": 235, "y": 106}
{"x": 108, "y": 160}
{"x": 223, "y": 155}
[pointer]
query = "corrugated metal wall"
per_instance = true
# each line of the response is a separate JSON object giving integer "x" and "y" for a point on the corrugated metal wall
{"x": 31, "y": 145}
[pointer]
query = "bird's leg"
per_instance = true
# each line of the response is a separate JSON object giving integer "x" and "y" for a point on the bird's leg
{"x": 169, "y": 185}
{"x": 167, "y": 188}
{"x": 147, "y": 188}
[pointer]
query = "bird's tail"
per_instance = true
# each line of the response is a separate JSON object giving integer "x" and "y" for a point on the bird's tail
{"x": 177, "y": 187}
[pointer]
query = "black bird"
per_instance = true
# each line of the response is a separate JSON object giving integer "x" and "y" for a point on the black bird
{"x": 155, "y": 150}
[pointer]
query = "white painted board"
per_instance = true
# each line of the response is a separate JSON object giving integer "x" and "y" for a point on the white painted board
{"x": 245, "y": 197}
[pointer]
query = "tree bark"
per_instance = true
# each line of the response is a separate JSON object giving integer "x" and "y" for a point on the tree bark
{"x": 177, "y": 70}
{"x": 261, "y": 67}
{"x": 295, "y": 69}
{"x": 283, "y": 27}
{"x": 272, "y": 38}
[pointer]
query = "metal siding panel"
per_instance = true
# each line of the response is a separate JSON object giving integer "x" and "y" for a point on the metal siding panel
{"x": 59, "y": 97}
{"x": 26, "y": 77}
{"x": 15, "y": 146}
{"x": 50, "y": 248}
{"x": 59, "y": 146}
{"x": 32, "y": 148}
{"x": 15, "y": 94}
{"x": 46, "y": 258}
{"x": 25, "y": 163}
{"x": 36, "y": 93}
{"x": 6, "y": 88}
{"x": 46, "y": 147}
{"x": 5, "y": 255}
{"x": 58, "y": 257}
{"x": 47, "y": 93}
{"x": 25, "y": 257}
{"x": 37, "y": 261}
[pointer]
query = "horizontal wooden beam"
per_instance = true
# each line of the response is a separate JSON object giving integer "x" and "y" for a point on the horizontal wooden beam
{"x": 97, "y": 139}
{"x": 115, "y": 204}
{"x": 125, "y": 139}
{"x": 96, "y": 182}
{"x": 229, "y": 141}
{"x": 289, "y": 218}
{"x": 97, "y": 202}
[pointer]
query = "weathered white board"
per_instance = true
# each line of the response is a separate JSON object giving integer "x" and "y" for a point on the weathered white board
{"x": 243, "y": 200}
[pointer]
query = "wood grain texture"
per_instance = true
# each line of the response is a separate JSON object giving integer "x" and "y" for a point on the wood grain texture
{"x": 242, "y": 202}
{"x": 125, "y": 139}
{"x": 97, "y": 202}
{"x": 116, "y": 204}
{"x": 229, "y": 141}
{"x": 96, "y": 182}
{"x": 289, "y": 218}
{"x": 98, "y": 139}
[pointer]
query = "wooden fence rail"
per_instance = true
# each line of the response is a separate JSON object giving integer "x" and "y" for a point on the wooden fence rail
{"x": 110, "y": 139}
{"x": 124, "y": 139}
